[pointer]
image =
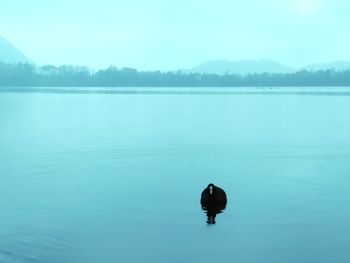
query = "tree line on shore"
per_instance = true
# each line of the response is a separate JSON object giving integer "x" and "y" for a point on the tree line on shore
{"x": 29, "y": 75}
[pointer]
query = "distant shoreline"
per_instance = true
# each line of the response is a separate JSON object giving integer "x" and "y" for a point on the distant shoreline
{"x": 315, "y": 91}
{"x": 29, "y": 75}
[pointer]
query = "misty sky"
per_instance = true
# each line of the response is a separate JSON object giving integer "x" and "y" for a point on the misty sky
{"x": 168, "y": 35}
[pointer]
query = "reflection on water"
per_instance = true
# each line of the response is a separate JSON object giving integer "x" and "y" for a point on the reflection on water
{"x": 213, "y": 201}
{"x": 96, "y": 177}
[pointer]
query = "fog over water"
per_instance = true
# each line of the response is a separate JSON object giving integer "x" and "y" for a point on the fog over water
{"x": 116, "y": 174}
{"x": 161, "y": 35}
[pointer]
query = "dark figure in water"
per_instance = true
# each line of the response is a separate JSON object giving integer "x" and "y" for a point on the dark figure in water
{"x": 213, "y": 201}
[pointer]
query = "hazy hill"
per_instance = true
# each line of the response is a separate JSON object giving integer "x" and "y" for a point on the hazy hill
{"x": 336, "y": 65}
{"x": 10, "y": 54}
{"x": 222, "y": 67}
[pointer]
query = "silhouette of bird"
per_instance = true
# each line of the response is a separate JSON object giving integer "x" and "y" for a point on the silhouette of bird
{"x": 213, "y": 201}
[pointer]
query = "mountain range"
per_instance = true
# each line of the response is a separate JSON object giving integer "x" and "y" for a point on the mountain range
{"x": 222, "y": 67}
{"x": 10, "y": 54}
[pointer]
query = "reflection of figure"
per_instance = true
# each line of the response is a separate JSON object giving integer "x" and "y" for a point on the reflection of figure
{"x": 213, "y": 201}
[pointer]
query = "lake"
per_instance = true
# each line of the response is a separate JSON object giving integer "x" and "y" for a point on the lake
{"x": 115, "y": 175}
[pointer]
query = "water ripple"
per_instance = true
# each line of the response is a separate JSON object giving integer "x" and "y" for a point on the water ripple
{"x": 37, "y": 247}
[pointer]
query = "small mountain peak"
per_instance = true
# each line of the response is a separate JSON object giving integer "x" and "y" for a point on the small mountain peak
{"x": 10, "y": 54}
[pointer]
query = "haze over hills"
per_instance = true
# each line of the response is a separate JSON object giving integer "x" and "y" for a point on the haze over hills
{"x": 222, "y": 67}
{"x": 10, "y": 54}
{"x": 336, "y": 65}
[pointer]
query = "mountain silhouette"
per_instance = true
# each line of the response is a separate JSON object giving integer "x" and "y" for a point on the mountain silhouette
{"x": 242, "y": 67}
{"x": 222, "y": 67}
{"x": 10, "y": 54}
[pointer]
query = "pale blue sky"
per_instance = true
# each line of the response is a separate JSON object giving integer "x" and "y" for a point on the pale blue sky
{"x": 168, "y": 35}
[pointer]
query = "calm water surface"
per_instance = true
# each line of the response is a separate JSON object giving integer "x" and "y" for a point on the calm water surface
{"x": 97, "y": 177}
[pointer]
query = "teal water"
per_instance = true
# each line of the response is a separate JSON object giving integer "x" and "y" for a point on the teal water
{"x": 100, "y": 176}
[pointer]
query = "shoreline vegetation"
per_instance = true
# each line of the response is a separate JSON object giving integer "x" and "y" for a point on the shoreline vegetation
{"x": 30, "y": 75}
